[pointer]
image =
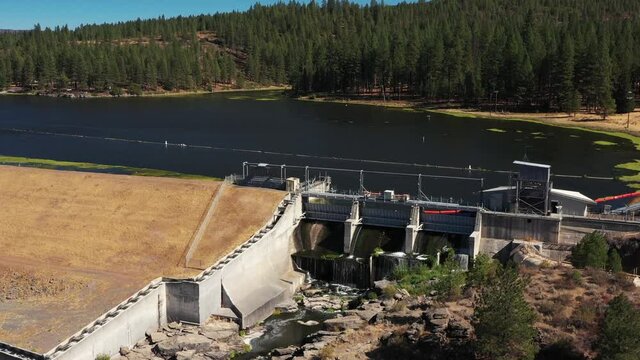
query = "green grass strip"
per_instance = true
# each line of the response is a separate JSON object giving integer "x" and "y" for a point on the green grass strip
{"x": 91, "y": 167}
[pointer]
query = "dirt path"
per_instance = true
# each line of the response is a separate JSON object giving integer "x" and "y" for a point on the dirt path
{"x": 195, "y": 242}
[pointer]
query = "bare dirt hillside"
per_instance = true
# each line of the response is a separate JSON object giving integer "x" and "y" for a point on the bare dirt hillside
{"x": 76, "y": 244}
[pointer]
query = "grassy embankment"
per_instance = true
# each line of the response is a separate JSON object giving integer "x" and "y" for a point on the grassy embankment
{"x": 91, "y": 167}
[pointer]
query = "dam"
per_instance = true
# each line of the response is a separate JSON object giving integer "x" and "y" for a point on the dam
{"x": 350, "y": 238}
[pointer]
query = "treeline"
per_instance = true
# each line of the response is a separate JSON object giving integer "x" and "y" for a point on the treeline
{"x": 62, "y": 59}
{"x": 542, "y": 54}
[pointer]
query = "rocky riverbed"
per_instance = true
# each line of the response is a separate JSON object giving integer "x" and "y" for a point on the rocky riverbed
{"x": 356, "y": 325}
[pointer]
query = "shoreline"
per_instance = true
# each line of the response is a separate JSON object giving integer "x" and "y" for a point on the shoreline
{"x": 97, "y": 168}
{"x": 152, "y": 94}
{"x": 613, "y": 126}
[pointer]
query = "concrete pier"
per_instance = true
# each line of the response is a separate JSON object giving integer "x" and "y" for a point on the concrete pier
{"x": 350, "y": 227}
{"x": 411, "y": 232}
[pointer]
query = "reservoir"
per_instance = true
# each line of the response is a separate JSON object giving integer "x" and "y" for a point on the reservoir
{"x": 220, "y": 131}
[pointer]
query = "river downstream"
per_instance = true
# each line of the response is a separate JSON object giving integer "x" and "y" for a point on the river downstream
{"x": 214, "y": 134}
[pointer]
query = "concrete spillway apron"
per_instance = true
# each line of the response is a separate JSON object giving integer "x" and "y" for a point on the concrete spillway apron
{"x": 197, "y": 237}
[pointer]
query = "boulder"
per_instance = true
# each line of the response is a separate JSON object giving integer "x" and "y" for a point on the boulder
{"x": 173, "y": 345}
{"x": 344, "y": 323}
{"x": 438, "y": 318}
{"x": 156, "y": 337}
{"x": 389, "y": 303}
{"x": 124, "y": 350}
{"x": 370, "y": 316}
{"x": 217, "y": 354}
{"x": 382, "y": 284}
{"x": 185, "y": 355}
{"x": 219, "y": 330}
{"x": 284, "y": 351}
{"x": 459, "y": 329}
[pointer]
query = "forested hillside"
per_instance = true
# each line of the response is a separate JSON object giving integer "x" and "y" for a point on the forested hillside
{"x": 542, "y": 54}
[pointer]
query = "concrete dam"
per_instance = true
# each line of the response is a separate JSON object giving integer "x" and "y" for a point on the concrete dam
{"x": 352, "y": 239}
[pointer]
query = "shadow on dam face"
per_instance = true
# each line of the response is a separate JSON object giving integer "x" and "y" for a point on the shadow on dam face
{"x": 320, "y": 237}
{"x": 319, "y": 248}
{"x": 430, "y": 243}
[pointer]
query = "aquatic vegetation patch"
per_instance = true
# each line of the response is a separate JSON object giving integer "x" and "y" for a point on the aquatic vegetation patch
{"x": 633, "y": 181}
{"x": 91, "y": 167}
{"x": 496, "y": 130}
{"x": 537, "y": 133}
{"x": 604, "y": 143}
{"x": 633, "y": 138}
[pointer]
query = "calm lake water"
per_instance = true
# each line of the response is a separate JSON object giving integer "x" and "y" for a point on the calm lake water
{"x": 252, "y": 127}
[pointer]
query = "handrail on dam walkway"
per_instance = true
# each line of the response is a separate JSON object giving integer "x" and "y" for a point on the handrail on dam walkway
{"x": 263, "y": 173}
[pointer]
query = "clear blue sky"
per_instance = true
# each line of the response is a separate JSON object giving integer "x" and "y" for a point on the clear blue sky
{"x": 23, "y": 14}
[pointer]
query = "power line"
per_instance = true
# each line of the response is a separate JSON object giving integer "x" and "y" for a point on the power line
{"x": 278, "y": 153}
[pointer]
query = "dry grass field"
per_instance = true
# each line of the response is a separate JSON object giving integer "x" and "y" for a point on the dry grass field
{"x": 76, "y": 244}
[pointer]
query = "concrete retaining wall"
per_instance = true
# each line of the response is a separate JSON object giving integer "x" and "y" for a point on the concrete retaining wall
{"x": 264, "y": 260}
{"x": 124, "y": 325}
{"x": 524, "y": 227}
{"x": 257, "y": 275}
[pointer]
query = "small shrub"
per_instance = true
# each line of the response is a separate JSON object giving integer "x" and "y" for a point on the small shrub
{"x": 115, "y": 91}
{"x": 103, "y": 357}
{"x": 598, "y": 276}
{"x": 563, "y": 299}
{"x": 547, "y": 308}
{"x": 584, "y": 316}
{"x": 389, "y": 291}
{"x": 559, "y": 320}
{"x": 484, "y": 269}
{"x": 371, "y": 295}
{"x": 399, "y": 306}
{"x": 377, "y": 252}
{"x": 576, "y": 277}
{"x": 135, "y": 89}
{"x": 327, "y": 353}
{"x": 624, "y": 281}
{"x": 449, "y": 286}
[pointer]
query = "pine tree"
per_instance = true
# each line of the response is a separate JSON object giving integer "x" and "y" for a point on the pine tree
{"x": 591, "y": 251}
{"x": 619, "y": 331}
{"x": 614, "y": 262}
{"x": 568, "y": 94}
{"x": 505, "y": 332}
{"x": 602, "y": 77}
